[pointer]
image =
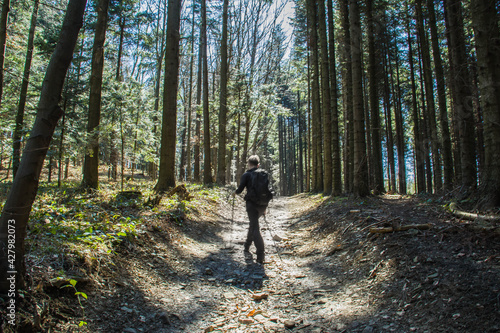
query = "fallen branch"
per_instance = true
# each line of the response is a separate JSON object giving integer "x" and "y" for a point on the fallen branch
{"x": 373, "y": 224}
{"x": 471, "y": 216}
{"x": 401, "y": 228}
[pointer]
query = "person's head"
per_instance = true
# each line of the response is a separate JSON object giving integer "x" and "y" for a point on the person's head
{"x": 253, "y": 161}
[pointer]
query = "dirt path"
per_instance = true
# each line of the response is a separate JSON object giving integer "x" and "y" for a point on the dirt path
{"x": 330, "y": 276}
{"x": 210, "y": 285}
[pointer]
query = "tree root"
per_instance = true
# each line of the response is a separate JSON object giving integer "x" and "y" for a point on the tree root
{"x": 453, "y": 209}
{"x": 386, "y": 230}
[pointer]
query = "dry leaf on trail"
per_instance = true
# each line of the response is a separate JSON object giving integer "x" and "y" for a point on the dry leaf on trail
{"x": 254, "y": 312}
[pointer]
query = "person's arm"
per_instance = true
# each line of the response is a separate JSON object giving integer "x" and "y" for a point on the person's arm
{"x": 243, "y": 183}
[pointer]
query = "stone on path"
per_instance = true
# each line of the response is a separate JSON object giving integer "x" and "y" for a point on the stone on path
{"x": 289, "y": 323}
{"x": 229, "y": 295}
{"x": 279, "y": 238}
{"x": 129, "y": 330}
{"x": 260, "y": 296}
{"x": 246, "y": 321}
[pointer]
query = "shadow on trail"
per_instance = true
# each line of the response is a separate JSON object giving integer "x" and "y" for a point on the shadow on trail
{"x": 222, "y": 267}
{"x": 163, "y": 284}
{"x": 412, "y": 281}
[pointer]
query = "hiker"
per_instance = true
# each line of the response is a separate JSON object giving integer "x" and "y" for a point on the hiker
{"x": 257, "y": 198}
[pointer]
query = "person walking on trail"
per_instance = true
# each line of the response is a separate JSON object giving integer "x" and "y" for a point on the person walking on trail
{"x": 258, "y": 195}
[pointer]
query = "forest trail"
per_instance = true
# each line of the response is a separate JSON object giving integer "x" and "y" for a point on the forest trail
{"x": 212, "y": 285}
{"x": 331, "y": 274}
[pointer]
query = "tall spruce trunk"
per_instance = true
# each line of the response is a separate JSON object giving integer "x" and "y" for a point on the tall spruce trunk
{"x": 376, "y": 152}
{"x": 326, "y": 100}
{"x": 429, "y": 95}
{"x": 347, "y": 97}
{"x": 417, "y": 137}
{"x": 441, "y": 94}
{"x": 190, "y": 101}
{"x": 18, "y": 130}
{"x": 487, "y": 37}
{"x": 360, "y": 182}
{"x": 3, "y": 40}
{"x": 207, "y": 161}
{"x": 400, "y": 136}
{"x": 166, "y": 178}
{"x": 463, "y": 95}
{"x": 455, "y": 138}
{"x": 300, "y": 143}
{"x": 91, "y": 164}
{"x": 336, "y": 151}
{"x": 197, "y": 148}
{"x": 315, "y": 98}
{"x": 221, "y": 158}
{"x": 24, "y": 188}
{"x": 388, "y": 124}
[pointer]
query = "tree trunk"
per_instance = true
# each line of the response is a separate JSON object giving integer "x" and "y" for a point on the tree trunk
{"x": 308, "y": 154}
{"x": 182, "y": 160}
{"x": 15, "y": 214}
{"x": 418, "y": 146}
{"x": 326, "y": 100}
{"x": 429, "y": 95}
{"x": 160, "y": 52}
{"x": 61, "y": 145}
{"x": 197, "y": 141}
{"x": 207, "y": 161}
{"x": 347, "y": 97}
{"x": 360, "y": 183}
{"x": 441, "y": 94}
{"x": 336, "y": 158}
{"x": 485, "y": 23}
{"x": 463, "y": 102}
{"x": 388, "y": 123}
{"x": 315, "y": 98}
{"x": 190, "y": 100}
{"x": 166, "y": 178}
{"x": 3, "y": 40}
{"x": 377, "y": 162}
{"x": 91, "y": 164}
{"x": 301, "y": 144}
{"x": 18, "y": 130}
{"x": 400, "y": 136}
{"x": 221, "y": 159}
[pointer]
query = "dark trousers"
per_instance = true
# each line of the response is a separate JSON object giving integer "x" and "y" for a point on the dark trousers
{"x": 254, "y": 212}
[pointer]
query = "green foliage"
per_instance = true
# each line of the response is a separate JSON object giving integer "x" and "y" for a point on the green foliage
{"x": 78, "y": 294}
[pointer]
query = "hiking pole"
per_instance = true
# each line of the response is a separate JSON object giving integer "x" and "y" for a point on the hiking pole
{"x": 274, "y": 241}
{"x": 232, "y": 223}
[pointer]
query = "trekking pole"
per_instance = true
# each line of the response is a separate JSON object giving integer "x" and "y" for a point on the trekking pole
{"x": 232, "y": 223}
{"x": 272, "y": 237}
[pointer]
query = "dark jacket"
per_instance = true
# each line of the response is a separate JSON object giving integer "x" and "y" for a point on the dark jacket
{"x": 245, "y": 181}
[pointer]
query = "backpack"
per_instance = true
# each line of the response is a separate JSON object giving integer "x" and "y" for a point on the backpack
{"x": 259, "y": 191}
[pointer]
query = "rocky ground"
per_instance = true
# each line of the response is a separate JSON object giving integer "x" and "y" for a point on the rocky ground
{"x": 324, "y": 272}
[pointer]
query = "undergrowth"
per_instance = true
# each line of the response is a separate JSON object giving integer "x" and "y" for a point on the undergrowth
{"x": 83, "y": 225}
